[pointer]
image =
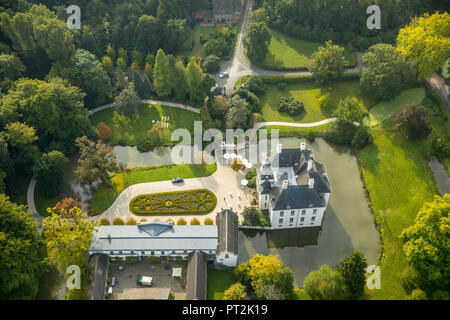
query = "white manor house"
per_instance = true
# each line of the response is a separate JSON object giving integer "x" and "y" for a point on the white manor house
{"x": 293, "y": 187}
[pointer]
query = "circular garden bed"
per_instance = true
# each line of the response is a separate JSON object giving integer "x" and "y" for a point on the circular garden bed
{"x": 199, "y": 201}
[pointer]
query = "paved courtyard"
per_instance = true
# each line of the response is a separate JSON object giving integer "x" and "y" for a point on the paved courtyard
{"x": 162, "y": 279}
{"x": 221, "y": 182}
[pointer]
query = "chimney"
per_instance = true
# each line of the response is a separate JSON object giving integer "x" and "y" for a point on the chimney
{"x": 302, "y": 146}
{"x": 311, "y": 183}
{"x": 279, "y": 147}
{"x": 310, "y": 164}
{"x": 285, "y": 184}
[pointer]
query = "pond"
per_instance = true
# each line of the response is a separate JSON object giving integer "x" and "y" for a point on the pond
{"x": 347, "y": 224}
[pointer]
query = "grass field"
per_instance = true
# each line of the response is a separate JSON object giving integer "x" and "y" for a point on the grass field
{"x": 104, "y": 196}
{"x": 399, "y": 180}
{"x": 135, "y": 132}
{"x": 289, "y": 52}
{"x": 218, "y": 282}
{"x": 309, "y": 93}
{"x": 385, "y": 109}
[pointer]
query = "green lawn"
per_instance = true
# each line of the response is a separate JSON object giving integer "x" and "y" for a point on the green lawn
{"x": 309, "y": 93}
{"x": 385, "y": 109}
{"x": 399, "y": 180}
{"x": 218, "y": 282}
{"x": 104, "y": 196}
{"x": 289, "y": 52}
{"x": 135, "y": 132}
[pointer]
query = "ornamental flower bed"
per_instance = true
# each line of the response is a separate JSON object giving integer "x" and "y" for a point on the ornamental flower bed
{"x": 198, "y": 201}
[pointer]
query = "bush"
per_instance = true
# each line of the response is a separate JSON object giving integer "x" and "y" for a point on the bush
{"x": 418, "y": 294}
{"x": 250, "y": 174}
{"x": 281, "y": 85}
{"x": 362, "y": 138}
{"x": 118, "y": 222}
{"x": 208, "y": 222}
{"x": 132, "y": 259}
{"x": 440, "y": 295}
{"x": 410, "y": 279}
{"x": 310, "y": 136}
{"x": 291, "y": 106}
{"x": 131, "y": 222}
{"x": 75, "y": 294}
{"x": 181, "y": 222}
{"x": 153, "y": 259}
{"x": 252, "y": 216}
{"x": 104, "y": 222}
{"x": 340, "y": 133}
{"x": 440, "y": 147}
{"x": 195, "y": 222}
{"x": 104, "y": 131}
{"x": 256, "y": 85}
{"x": 252, "y": 183}
{"x": 413, "y": 121}
{"x": 257, "y": 118}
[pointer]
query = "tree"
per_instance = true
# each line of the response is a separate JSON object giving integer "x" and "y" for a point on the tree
{"x": 104, "y": 131}
{"x": 235, "y": 292}
{"x": 426, "y": 242}
{"x": 270, "y": 292}
{"x": 94, "y": 79}
{"x": 251, "y": 216}
{"x": 127, "y": 102}
{"x": 96, "y": 161}
{"x": 328, "y": 62}
{"x": 325, "y": 284}
{"x": 108, "y": 64}
{"x": 261, "y": 271}
{"x": 20, "y": 262}
{"x": 290, "y": 105}
{"x": 348, "y": 110}
{"x": 386, "y": 72}
{"x": 353, "y": 270}
{"x": 418, "y": 294}
{"x": 54, "y": 108}
{"x": 256, "y": 85}
{"x": 38, "y": 29}
{"x": 362, "y": 137}
{"x": 161, "y": 75}
{"x": 64, "y": 206}
{"x": 49, "y": 172}
{"x": 180, "y": 82}
{"x": 238, "y": 114}
{"x": 412, "y": 120}
{"x": 68, "y": 239}
{"x": 425, "y": 42}
{"x": 257, "y": 40}
{"x": 11, "y": 68}
{"x": 211, "y": 64}
{"x": 194, "y": 78}
{"x": 142, "y": 84}
{"x": 21, "y": 139}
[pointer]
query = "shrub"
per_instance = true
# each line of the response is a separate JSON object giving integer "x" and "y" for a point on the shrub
{"x": 257, "y": 118}
{"x": 251, "y": 216}
{"x": 440, "y": 295}
{"x": 440, "y": 147}
{"x": 104, "y": 222}
{"x": 235, "y": 292}
{"x": 281, "y": 85}
{"x": 170, "y": 220}
{"x": 410, "y": 279}
{"x": 132, "y": 259}
{"x": 310, "y": 136}
{"x": 118, "y": 222}
{"x": 143, "y": 220}
{"x": 131, "y": 222}
{"x": 252, "y": 183}
{"x": 418, "y": 294}
{"x": 290, "y": 105}
{"x": 153, "y": 259}
{"x": 340, "y": 133}
{"x": 181, "y": 222}
{"x": 195, "y": 222}
{"x": 362, "y": 138}
{"x": 250, "y": 174}
{"x": 256, "y": 85}
{"x": 208, "y": 222}
{"x": 413, "y": 121}
{"x": 75, "y": 294}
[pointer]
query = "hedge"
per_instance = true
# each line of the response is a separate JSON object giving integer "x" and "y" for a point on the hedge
{"x": 199, "y": 201}
{"x": 298, "y": 78}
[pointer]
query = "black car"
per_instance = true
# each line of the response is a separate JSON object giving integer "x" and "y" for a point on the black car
{"x": 177, "y": 180}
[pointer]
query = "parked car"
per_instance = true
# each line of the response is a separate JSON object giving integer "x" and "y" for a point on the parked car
{"x": 177, "y": 180}
{"x": 143, "y": 280}
{"x": 113, "y": 281}
{"x": 224, "y": 75}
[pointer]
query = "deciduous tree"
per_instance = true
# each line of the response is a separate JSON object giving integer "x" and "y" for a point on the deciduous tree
{"x": 49, "y": 172}
{"x": 328, "y": 61}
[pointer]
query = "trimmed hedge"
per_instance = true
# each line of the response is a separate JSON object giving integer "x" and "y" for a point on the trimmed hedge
{"x": 199, "y": 201}
{"x": 305, "y": 78}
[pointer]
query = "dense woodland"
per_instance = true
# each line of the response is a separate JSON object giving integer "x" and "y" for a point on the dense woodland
{"x": 341, "y": 20}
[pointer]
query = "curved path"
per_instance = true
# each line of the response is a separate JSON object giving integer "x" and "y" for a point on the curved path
{"x": 163, "y": 103}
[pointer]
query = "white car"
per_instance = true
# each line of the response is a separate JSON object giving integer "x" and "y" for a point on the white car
{"x": 223, "y": 75}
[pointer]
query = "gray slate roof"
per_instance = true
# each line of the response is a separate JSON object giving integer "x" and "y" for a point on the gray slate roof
{"x": 154, "y": 236}
{"x": 227, "y": 224}
{"x": 298, "y": 197}
{"x": 196, "y": 276}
